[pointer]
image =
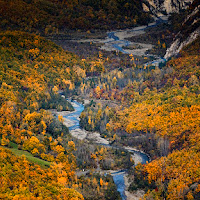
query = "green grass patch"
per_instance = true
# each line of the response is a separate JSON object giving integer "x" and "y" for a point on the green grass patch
{"x": 28, "y": 155}
{"x": 13, "y": 145}
{"x": 31, "y": 158}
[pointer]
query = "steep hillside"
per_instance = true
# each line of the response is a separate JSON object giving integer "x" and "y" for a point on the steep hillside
{"x": 189, "y": 30}
{"x": 159, "y": 7}
{"x": 52, "y": 16}
{"x": 32, "y": 70}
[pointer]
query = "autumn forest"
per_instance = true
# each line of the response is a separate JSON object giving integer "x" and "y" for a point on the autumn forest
{"x": 87, "y": 92}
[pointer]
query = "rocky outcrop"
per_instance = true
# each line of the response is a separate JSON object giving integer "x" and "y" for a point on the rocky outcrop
{"x": 177, "y": 45}
{"x": 190, "y": 30}
{"x": 159, "y": 7}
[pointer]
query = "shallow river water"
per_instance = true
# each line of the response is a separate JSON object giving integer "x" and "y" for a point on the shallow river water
{"x": 118, "y": 41}
{"x": 115, "y": 41}
{"x": 72, "y": 122}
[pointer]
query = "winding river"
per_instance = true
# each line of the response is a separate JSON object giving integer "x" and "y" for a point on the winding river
{"x": 118, "y": 41}
{"x": 71, "y": 120}
{"x": 115, "y": 41}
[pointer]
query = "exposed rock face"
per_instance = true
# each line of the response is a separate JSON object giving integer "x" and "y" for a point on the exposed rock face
{"x": 165, "y": 6}
{"x": 189, "y": 32}
{"x": 190, "y": 27}
{"x": 177, "y": 45}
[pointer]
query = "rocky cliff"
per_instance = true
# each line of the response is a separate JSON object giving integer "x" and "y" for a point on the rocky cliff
{"x": 190, "y": 30}
{"x": 159, "y": 7}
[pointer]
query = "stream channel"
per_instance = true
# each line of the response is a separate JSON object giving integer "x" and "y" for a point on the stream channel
{"x": 71, "y": 120}
{"x": 118, "y": 41}
{"x": 115, "y": 41}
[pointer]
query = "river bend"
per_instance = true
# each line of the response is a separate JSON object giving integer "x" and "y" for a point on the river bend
{"x": 71, "y": 120}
